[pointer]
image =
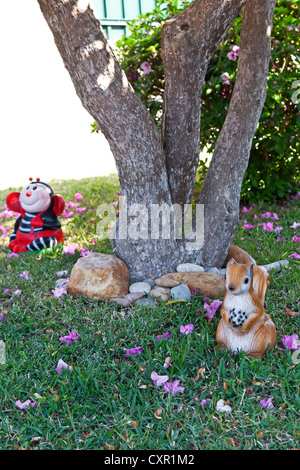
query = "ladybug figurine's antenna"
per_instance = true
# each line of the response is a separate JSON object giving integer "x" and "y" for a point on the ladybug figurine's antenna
{"x": 30, "y": 179}
{"x": 38, "y": 179}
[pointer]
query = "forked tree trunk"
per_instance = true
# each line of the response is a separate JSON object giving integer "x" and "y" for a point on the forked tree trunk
{"x": 221, "y": 190}
{"x": 159, "y": 169}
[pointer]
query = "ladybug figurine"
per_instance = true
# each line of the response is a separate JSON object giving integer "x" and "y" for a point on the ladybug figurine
{"x": 38, "y": 226}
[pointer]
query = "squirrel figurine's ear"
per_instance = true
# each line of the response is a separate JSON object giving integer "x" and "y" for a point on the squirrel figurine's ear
{"x": 230, "y": 262}
{"x": 250, "y": 269}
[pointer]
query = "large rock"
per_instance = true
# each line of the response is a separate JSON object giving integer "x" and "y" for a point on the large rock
{"x": 276, "y": 265}
{"x": 99, "y": 277}
{"x": 209, "y": 284}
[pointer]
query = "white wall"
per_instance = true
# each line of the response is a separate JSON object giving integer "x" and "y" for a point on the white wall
{"x": 44, "y": 130}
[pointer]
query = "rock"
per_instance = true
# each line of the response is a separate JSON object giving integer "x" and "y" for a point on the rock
{"x": 166, "y": 281}
{"x": 140, "y": 287}
{"x": 99, "y": 277}
{"x": 145, "y": 302}
{"x": 134, "y": 296}
{"x": 221, "y": 271}
{"x": 181, "y": 292}
{"x": 162, "y": 293}
{"x": 240, "y": 256}
{"x": 276, "y": 265}
{"x": 213, "y": 270}
{"x": 189, "y": 267}
{"x": 209, "y": 284}
{"x": 122, "y": 302}
{"x": 150, "y": 281}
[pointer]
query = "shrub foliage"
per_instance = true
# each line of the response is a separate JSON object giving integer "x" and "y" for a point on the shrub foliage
{"x": 274, "y": 160}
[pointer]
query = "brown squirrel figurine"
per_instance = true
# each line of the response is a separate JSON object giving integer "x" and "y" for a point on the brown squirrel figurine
{"x": 244, "y": 325}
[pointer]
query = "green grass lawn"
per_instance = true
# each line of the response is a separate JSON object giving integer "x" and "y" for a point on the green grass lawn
{"x": 108, "y": 400}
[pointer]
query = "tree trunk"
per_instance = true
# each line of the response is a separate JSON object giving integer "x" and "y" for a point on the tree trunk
{"x": 189, "y": 41}
{"x": 154, "y": 169}
{"x": 220, "y": 193}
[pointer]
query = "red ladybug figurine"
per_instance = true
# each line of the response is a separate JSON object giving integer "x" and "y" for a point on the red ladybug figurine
{"x": 38, "y": 226}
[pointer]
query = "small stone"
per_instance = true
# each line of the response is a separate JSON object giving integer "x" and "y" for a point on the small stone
{"x": 166, "y": 281}
{"x": 145, "y": 302}
{"x": 189, "y": 267}
{"x": 134, "y": 296}
{"x": 162, "y": 293}
{"x": 213, "y": 270}
{"x": 140, "y": 287}
{"x": 150, "y": 281}
{"x": 181, "y": 292}
{"x": 122, "y": 302}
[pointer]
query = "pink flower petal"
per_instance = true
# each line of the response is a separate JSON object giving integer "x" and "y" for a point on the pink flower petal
{"x": 146, "y": 68}
{"x": 59, "y": 292}
{"x": 187, "y": 329}
{"x": 173, "y": 387}
{"x": 70, "y": 249}
{"x": 212, "y": 308}
{"x": 134, "y": 351}
{"x": 69, "y": 338}
{"x": 294, "y": 255}
{"x": 159, "y": 380}
{"x": 62, "y": 365}
{"x": 164, "y": 336}
{"x": 267, "y": 404}
{"x": 27, "y": 404}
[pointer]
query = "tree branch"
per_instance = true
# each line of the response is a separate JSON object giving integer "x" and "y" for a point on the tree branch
{"x": 188, "y": 42}
{"x": 106, "y": 94}
{"x": 222, "y": 186}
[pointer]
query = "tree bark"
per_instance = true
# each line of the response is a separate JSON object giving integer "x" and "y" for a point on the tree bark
{"x": 133, "y": 137}
{"x": 106, "y": 94}
{"x": 220, "y": 193}
{"x": 155, "y": 169}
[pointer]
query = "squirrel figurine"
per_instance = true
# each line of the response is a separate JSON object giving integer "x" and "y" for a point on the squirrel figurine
{"x": 245, "y": 325}
{"x": 38, "y": 226}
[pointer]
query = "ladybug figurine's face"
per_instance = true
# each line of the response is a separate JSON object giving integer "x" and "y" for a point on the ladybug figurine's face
{"x": 35, "y": 198}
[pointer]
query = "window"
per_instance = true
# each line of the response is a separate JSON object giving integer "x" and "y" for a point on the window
{"x": 113, "y": 14}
